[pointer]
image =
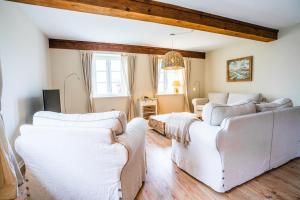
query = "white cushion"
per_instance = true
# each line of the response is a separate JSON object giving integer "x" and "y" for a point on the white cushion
{"x": 114, "y": 120}
{"x": 218, "y": 97}
{"x": 234, "y": 98}
{"x": 214, "y": 114}
{"x": 199, "y": 101}
{"x": 101, "y": 135}
{"x": 274, "y": 105}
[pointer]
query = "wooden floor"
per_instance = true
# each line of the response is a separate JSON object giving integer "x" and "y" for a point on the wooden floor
{"x": 165, "y": 181}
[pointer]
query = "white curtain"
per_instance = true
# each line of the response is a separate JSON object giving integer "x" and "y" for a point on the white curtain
{"x": 186, "y": 84}
{"x": 154, "y": 72}
{"x": 86, "y": 63}
{"x": 128, "y": 69}
{"x": 10, "y": 175}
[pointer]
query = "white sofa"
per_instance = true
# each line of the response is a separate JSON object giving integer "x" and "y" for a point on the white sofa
{"x": 241, "y": 147}
{"x": 88, "y": 156}
{"x": 223, "y": 98}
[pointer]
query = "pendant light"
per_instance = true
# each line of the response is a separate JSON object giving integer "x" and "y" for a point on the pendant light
{"x": 172, "y": 60}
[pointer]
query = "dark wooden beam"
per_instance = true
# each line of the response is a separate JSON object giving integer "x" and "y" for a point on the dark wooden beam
{"x": 157, "y": 12}
{"x": 99, "y": 46}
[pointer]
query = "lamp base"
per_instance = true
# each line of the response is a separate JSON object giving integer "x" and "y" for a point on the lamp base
{"x": 176, "y": 90}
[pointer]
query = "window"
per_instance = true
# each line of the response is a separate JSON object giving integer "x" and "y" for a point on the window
{"x": 166, "y": 79}
{"x": 108, "y": 79}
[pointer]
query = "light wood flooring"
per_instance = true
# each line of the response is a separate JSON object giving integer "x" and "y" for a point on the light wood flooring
{"x": 165, "y": 181}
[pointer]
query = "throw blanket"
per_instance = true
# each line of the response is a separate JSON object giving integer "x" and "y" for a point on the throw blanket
{"x": 177, "y": 127}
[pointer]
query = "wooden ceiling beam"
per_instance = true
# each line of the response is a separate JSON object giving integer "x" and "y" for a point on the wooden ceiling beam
{"x": 162, "y": 13}
{"x": 97, "y": 46}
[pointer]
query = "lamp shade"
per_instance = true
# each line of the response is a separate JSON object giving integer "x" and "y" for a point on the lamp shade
{"x": 172, "y": 60}
{"x": 176, "y": 83}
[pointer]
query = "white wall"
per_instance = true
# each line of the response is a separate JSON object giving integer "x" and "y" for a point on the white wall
{"x": 276, "y": 67}
{"x": 64, "y": 62}
{"x": 24, "y": 58}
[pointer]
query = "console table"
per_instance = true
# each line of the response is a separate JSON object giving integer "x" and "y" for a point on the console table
{"x": 147, "y": 108}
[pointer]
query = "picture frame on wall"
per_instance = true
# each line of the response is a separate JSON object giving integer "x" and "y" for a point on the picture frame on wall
{"x": 240, "y": 69}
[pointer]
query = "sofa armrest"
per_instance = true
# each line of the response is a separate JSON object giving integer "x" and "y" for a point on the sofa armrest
{"x": 134, "y": 172}
{"x": 244, "y": 144}
{"x": 199, "y": 101}
{"x": 134, "y": 136}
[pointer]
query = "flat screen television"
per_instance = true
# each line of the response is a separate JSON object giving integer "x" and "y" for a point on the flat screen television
{"x": 51, "y": 100}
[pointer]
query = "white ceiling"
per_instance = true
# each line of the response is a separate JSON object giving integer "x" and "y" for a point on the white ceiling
{"x": 63, "y": 24}
{"x": 270, "y": 13}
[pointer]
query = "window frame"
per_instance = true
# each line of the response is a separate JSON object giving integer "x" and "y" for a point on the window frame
{"x": 108, "y": 57}
{"x": 166, "y": 81}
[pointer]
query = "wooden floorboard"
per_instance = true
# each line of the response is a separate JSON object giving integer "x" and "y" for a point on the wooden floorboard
{"x": 165, "y": 181}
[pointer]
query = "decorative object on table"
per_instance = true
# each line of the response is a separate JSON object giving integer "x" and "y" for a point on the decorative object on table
{"x": 240, "y": 69}
{"x": 147, "y": 107}
{"x": 65, "y": 80}
{"x": 10, "y": 175}
{"x": 51, "y": 99}
{"x": 176, "y": 85}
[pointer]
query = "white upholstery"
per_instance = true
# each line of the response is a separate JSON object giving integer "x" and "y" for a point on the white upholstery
{"x": 134, "y": 172}
{"x": 244, "y": 144}
{"x": 114, "y": 120}
{"x": 286, "y": 136}
{"x": 83, "y": 162}
{"x": 213, "y": 114}
{"x": 198, "y": 104}
{"x": 199, "y": 101}
{"x": 242, "y": 148}
{"x": 104, "y": 136}
{"x": 274, "y": 105}
{"x": 224, "y": 98}
{"x": 199, "y": 107}
{"x": 234, "y": 98}
{"x": 220, "y": 98}
{"x": 200, "y": 158}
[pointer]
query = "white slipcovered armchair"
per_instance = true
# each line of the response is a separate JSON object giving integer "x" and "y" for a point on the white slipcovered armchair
{"x": 90, "y": 156}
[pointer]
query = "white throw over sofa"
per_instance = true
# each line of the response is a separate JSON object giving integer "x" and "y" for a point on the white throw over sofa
{"x": 83, "y": 156}
{"x": 235, "y": 143}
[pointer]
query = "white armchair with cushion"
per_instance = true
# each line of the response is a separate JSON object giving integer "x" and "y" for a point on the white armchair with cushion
{"x": 223, "y": 98}
{"x": 234, "y": 143}
{"x": 89, "y": 156}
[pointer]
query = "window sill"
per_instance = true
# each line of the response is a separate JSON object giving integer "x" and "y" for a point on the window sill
{"x": 105, "y": 97}
{"x": 169, "y": 94}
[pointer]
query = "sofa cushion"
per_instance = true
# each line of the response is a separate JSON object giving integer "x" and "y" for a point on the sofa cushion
{"x": 234, "y": 98}
{"x": 218, "y": 97}
{"x": 274, "y": 105}
{"x": 114, "y": 120}
{"x": 214, "y": 114}
{"x": 105, "y": 137}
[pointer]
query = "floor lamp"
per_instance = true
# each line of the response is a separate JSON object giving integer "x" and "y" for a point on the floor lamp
{"x": 196, "y": 86}
{"x": 67, "y": 77}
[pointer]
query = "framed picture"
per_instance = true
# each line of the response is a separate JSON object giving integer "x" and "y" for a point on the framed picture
{"x": 239, "y": 69}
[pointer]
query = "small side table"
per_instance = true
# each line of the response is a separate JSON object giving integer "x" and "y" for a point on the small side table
{"x": 147, "y": 107}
